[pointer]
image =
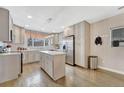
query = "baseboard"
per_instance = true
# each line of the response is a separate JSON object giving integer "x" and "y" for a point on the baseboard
{"x": 81, "y": 66}
{"x": 31, "y": 62}
{"x": 111, "y": 70}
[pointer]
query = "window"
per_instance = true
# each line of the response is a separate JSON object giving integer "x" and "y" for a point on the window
{"x": 30, "y": 43}
{"x": 117, "y": 37}
{"x": 38, "y": 42}
{"x": 36, "y": 39}
{"x": 46, "y": 42}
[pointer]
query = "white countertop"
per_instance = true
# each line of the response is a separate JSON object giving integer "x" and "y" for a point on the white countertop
{"x": 7, "y": 54}
{"x": 25, "y": 50}
{"x": 53, "y": 52}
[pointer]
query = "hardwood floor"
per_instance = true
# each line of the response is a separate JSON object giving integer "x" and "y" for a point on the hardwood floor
{"x": 33, "y": 76}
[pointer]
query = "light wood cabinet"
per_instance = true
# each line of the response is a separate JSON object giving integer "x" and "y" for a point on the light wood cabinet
{"x": 25, "y": 57}
{"x": 42, "y": 60}
{"x": 18, "y": 34}
{"x": 10, "y": 66}
{"x": 50, "y": 65}
{"x": 22, "y": 35}
{"x": 4, "y": 25}
{"x": 61, "y": 37}
{"x": 53, "y": 39}
{"x": 81, "y": 31}
{"x": 69, "y": 31}
{"x": 10, "y": 28}
{"x": 82, "y": 43}
{"x": 56, "y": 38}
{"x": 31, "y": 56}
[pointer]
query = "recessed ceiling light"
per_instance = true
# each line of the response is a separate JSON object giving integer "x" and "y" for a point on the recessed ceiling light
{"x": 42, "y": 29}
{"x": 29, "y": 17}
{"x": 53, "y": 31}
{"x": 62, "y": 27}
{"x": 26, "y": 25}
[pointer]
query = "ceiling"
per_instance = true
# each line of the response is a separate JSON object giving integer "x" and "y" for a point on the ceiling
{"x": 51, "y": 19}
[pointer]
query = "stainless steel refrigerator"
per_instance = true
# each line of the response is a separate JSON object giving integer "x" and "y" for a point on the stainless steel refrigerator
{"x": 70, "y": 49}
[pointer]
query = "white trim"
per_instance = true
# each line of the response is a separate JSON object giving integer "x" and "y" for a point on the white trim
{"x": 112, "y": 70}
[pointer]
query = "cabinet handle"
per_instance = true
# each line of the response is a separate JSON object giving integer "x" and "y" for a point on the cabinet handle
{"x": 11, "y": 35}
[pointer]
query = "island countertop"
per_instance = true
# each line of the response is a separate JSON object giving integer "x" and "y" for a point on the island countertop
{"x": 53, "y": 52}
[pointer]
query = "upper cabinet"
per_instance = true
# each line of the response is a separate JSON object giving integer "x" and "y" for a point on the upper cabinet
{"x": 54, "y": 39}
{"x": 8, "y": 31}
{"x": 4, "y": 25}
{"x": 61, "y": 38}
{"x": 18, "y": 34}
{"x": 69, "y": 31}
{"x": 10, "y": 28}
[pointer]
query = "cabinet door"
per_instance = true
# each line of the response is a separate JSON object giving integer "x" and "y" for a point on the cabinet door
{"x": 2, "y": 69}
{"x": 25, "y": 57}
{"x": 11, "y": 65}
{"x": 17, "y": 36}
{"x": 4, "y": 24}
{"x": 56, "y": 38}
{"x": 69, "y": 31}
{"x": 78, "y": 44}
{"x": 37, "y": 56}
{"x": 46, "y": 62}
{"x": 42, "y": 61}
{"x": 77, "y": 33}
{"x": 77, "y": 53}
{"x": 22, "y": 35}
{"x": 31, "y": 56}
{"x": 50, "y": 65}
{"x": 10, "y": 28}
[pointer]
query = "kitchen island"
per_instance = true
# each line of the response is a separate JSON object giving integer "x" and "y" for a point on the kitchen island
{"x": 53, "y": 63}
{"x": 10, "y": 66}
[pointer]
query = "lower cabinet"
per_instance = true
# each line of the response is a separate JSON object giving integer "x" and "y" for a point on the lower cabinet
{"x": 30, "y": 56}
{"x": 54, "y": 66}
{"x": 10, "y": 66}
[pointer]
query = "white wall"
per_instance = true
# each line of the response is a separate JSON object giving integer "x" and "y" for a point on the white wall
{"x": 111, "y": 58}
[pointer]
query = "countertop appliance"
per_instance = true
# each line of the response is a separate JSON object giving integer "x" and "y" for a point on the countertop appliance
{"x": 70, "y": 49}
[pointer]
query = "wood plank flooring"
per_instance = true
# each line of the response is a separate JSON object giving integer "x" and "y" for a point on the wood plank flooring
{"x": 33, "y": 76}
